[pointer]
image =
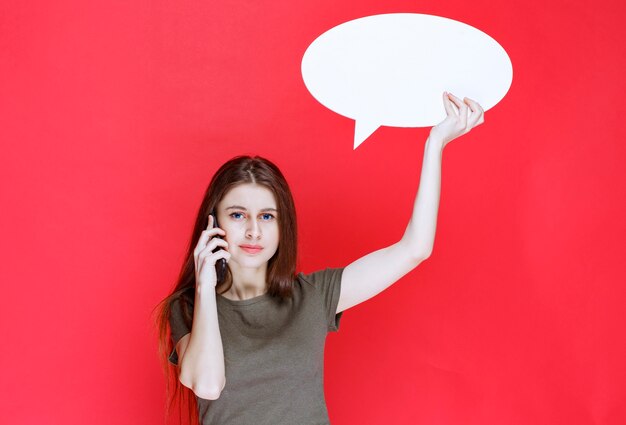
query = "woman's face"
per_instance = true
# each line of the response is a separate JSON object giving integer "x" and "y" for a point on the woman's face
{"x": 248, "y": 214}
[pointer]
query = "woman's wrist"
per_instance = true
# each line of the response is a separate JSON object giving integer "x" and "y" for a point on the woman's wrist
{"x": 204, "y": 290}
{"x": 435, "y": 143}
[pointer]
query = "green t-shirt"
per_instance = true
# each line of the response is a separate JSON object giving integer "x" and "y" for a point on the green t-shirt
{"x": 273, "y": 353}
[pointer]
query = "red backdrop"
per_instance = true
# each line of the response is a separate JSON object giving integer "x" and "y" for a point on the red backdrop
{"x": 114, "y": 116}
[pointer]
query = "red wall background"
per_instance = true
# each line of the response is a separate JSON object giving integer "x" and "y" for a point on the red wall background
{"x": 114, "y": 115}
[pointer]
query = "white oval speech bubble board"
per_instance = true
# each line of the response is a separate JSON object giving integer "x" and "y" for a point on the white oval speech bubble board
{"x": 392, "y": 69}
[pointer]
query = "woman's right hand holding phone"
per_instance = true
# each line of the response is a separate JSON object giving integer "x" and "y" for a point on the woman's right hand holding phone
{"x": 205, "y": 258}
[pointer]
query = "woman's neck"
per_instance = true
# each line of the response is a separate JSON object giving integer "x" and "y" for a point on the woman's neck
{"x": 247, "y": 282}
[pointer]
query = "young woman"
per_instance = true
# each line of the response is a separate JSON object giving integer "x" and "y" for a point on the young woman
{"x": 247, "y": 332}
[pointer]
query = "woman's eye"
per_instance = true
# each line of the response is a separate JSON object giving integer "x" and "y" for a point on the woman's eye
{"x": 265, "y": 216}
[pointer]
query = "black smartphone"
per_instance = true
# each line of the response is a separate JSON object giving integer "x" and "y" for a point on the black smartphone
{"x": 220, "y": 265}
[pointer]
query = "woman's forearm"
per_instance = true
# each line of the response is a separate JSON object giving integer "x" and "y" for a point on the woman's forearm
{"x": 419, "y": 236}
{"x": 202, "y": 367}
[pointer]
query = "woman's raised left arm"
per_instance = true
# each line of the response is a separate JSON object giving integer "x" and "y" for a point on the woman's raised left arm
{"x": 374, "y": 272}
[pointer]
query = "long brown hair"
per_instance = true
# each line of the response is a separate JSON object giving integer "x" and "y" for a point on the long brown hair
{"x": 281, "y": 268}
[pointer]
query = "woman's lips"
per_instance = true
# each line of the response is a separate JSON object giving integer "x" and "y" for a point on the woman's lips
{"x": 251, "y": 250}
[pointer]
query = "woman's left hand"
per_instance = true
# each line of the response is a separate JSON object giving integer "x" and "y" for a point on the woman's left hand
{"x": 461, "y": 118}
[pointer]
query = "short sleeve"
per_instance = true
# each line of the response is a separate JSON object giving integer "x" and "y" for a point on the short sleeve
{"x": 328, "y": 284}
{"x": 178, "y": 326}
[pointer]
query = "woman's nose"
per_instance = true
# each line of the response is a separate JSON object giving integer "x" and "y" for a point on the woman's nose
{"x": 254, "y": 230}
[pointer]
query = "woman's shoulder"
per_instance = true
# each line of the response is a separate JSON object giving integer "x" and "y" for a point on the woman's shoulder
{"x": 320, "y": 276}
